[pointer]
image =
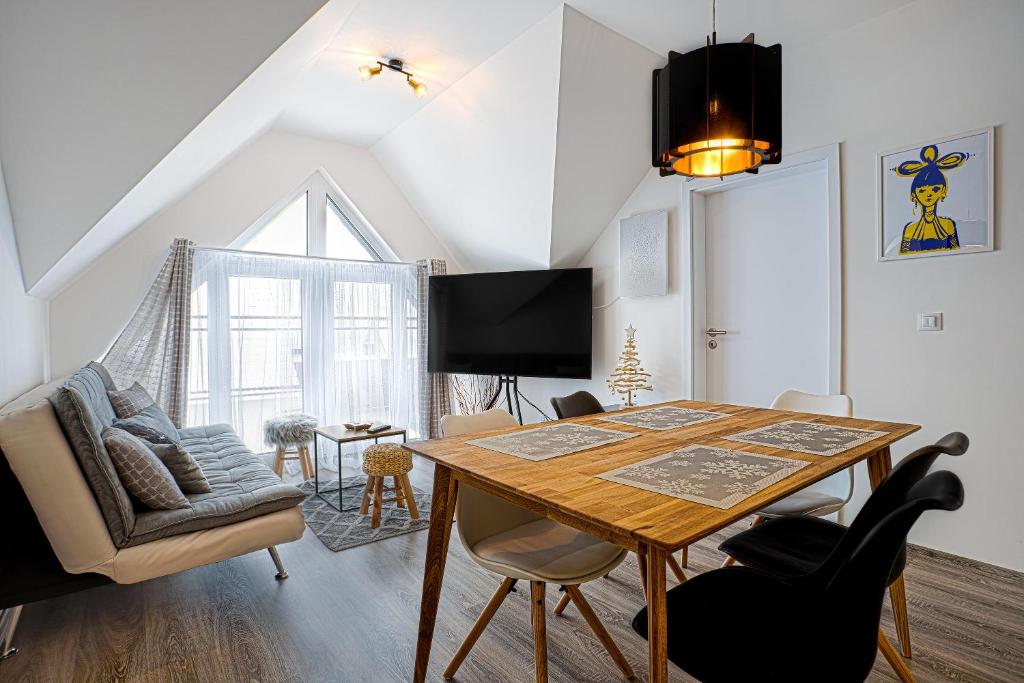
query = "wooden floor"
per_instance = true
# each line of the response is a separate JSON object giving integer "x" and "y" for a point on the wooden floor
{"x": 351, "y": 616}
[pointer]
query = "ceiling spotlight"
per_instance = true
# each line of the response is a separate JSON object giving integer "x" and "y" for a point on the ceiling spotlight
{"x": 418, "y": 88}
{"x": 367, "y": 71}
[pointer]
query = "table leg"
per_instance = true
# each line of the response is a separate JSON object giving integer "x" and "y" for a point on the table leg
{"x": 657, "y": 617}
{"x": 879, "y": 465}
{"x": 441, "y": 514}
{"x": 341, "y": 480}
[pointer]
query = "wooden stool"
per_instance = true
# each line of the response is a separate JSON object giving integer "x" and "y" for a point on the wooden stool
{"x": 387, "y": 460}
{"x": 290, "y": 435}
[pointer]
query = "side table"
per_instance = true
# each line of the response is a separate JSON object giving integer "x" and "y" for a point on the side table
{"x": 340, "y": 436}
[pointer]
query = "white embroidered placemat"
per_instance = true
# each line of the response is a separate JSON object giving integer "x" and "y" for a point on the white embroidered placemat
{"x": 664, "y": 417}
{"x": 718, "y": 477}
{"x": 807, "y": 437}
{"x": 552, "y": 441}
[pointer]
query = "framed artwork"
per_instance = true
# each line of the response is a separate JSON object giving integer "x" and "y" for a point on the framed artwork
{"x": 643, "y": 254}
{"x": 936, "y": 198}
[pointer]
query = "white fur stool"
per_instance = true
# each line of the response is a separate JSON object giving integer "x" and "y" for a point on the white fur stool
{"x": 291, "y": 434}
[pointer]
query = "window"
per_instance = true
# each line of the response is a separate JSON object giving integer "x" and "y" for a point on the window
{"x": 316, "y": 220}
{"x": 273, "y": 335}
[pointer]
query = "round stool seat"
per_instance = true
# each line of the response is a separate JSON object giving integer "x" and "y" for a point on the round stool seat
{"x": 386, "y": 460}
{"x": 289, "y": 431}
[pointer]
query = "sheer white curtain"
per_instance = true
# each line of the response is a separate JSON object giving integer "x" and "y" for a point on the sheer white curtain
{"x": 278, "y": 334}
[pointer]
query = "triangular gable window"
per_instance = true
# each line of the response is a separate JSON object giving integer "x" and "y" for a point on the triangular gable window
{"x": 317, "y": 219}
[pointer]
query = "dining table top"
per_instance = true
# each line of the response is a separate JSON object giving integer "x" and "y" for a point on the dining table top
{"x": 567, "y": 487}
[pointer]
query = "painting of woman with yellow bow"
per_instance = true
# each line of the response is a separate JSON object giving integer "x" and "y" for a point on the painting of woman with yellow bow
{"x": 936, "y": 198}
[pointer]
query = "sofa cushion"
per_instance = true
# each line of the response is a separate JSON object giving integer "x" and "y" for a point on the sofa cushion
{"x": 84, "y": 411}
{"x": 242, "y": 486}
{"x": 150, "y": 424}
{"x": 142, "y": 472}
{"x": 130, "y": 401}
{"x": 183, "y": 467}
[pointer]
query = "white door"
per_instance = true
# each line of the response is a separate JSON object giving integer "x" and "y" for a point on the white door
{"x": 767, "y": 287}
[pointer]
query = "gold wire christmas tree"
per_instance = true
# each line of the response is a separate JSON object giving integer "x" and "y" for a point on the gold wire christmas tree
{"x": 629, "y": 376}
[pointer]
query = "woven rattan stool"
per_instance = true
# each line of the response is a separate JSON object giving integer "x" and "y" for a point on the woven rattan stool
{"x": 387, "y": 460}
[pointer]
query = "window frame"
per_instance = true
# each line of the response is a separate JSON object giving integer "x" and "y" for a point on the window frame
{"x": 320, "y": 189}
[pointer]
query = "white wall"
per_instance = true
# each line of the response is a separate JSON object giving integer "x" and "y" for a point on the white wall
{"x": 96, "y": 93}
{"x": 87, "y": 315}
{"x": 22, "y": 317}
{"x": 660, "y": 321}
{"x": 874, "y": 87}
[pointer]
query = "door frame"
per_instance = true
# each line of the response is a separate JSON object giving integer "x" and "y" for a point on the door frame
{"x": 695, "y": 196}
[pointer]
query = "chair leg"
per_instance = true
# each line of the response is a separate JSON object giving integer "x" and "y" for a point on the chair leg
{"x": 730, "y": 561}
{"x": 378, "y": 497}
{"x": 563, "y": 602}
{"x": 410, "y": 497}
{"x": 399, "y": 493}
{"x": 599, "y": 630}
{"x": 8, "y": 623}
{"x": 540, "y": 634}
{"x": 279, "y": 462}
{"x": 478, "y": 628}
{"x": 684, "y": 558}
{"x": 364, "y": 508}
{"x": 898, "y": 602}
{"x": 674, "y": 566}
{"x": 281, "y": 572}
{"x": 903, "y": 672}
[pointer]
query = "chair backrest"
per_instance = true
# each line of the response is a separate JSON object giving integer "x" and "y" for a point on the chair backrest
{"x": 839, "y": 405}
{"x": 478, "y": 514}
{"x": 840, "y": 484}
{"x": 854, "y": 593}
{"x": 576, "y": 405}
{"x": 891, "y": 493}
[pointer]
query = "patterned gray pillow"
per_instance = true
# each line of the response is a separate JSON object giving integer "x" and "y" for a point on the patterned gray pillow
{"x": 141, "y": 471}
{"x": 183, "y": 467}
{"x": 130, "y": 401}
{"x": 152, "y": 425}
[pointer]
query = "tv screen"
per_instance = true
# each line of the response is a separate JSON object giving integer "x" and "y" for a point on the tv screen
{"x": 532, "y": 323}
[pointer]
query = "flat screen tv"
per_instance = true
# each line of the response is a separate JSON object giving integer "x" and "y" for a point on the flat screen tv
{"x": 530, "y": 323}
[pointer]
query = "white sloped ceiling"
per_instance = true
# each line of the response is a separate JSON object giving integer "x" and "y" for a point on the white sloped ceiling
{"x": 95, "y": 94}
{"x": 521, "y": 163}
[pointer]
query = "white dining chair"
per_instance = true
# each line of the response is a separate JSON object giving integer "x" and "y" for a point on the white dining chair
{"x": 831, "y": 493}
{"x": 520, "y": 545}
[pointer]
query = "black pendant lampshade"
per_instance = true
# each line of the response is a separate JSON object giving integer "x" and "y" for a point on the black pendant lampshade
{"x": 718, "y": 110}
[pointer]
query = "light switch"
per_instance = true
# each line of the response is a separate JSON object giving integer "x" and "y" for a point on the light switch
{"x": 929, "y": 322}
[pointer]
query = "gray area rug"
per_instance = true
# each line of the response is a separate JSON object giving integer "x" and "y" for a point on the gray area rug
{"x": 343, "y": 530}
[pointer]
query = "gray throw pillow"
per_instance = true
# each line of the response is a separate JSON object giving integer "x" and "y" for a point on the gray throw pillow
{"x": 141, "y": 471}
{"x": 151, "y": 424}
{"x": 130, "y": 401}
{"x": 183, "y": 467}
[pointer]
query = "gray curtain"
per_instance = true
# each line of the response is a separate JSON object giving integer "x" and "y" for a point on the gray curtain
{"x": 435, "y": 388}
{"x": 153, "y": 347}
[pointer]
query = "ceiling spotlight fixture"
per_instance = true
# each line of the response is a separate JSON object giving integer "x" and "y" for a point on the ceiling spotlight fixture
{"x": 718, "y": 110}
{"x": 366, "y": 72}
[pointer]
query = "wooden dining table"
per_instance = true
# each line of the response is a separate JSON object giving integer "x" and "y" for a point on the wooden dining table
{"x": 567, "y": 490}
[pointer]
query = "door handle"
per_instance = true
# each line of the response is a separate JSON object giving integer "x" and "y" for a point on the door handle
{"x": 712, "y": 332}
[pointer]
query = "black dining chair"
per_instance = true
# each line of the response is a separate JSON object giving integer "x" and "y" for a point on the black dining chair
{"x": 793, "y": 546}
{"x": 745, "y": 624}
{"x": 576, "y": 405}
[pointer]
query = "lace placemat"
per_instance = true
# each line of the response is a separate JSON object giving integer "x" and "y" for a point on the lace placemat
{"x": 665, "y": 417}
{"x": 718, "y": 477}
{"x": 807, "y": 437}
{"x": 552, "y": 441}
